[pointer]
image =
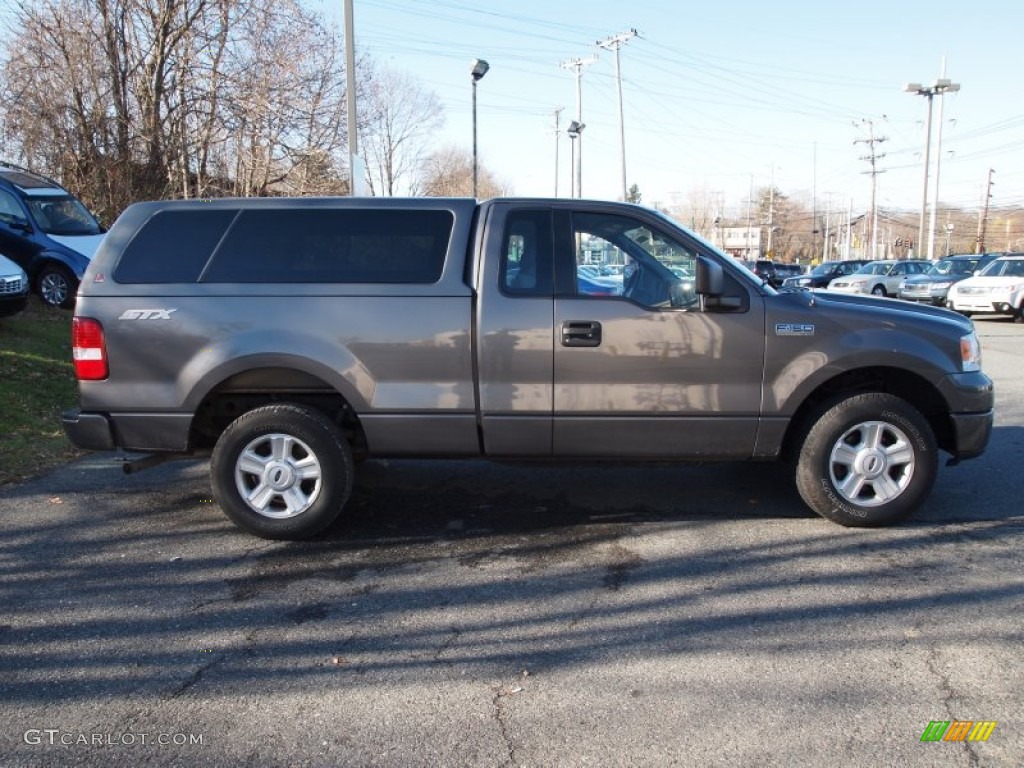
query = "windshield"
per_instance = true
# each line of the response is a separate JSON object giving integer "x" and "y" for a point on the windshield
{"x": 1005, "y": 268}
{"x": 953, "y": 267}
{"x": 825, "y": 268}
{"x": 63, "y": 216}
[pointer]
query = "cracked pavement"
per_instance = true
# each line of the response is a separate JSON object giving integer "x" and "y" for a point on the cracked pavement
{"x": 486, "y": 615}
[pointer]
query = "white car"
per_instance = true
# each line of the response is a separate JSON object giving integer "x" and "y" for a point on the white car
{"x": 13, "y": 287}
{"x": 879, "y": 278}
{"x": 998, "y": 290}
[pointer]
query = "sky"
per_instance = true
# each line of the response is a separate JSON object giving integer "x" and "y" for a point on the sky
{"x": 722, "y": 96}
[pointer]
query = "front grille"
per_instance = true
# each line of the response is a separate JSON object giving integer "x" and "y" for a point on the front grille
{"x": 971, "y": 290}
{"x": 11, "y": 285}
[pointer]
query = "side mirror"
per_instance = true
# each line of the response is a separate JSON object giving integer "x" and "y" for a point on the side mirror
{"x": 710, "y": 277}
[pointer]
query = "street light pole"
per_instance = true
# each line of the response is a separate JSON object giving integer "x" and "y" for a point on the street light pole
{"x": 939, "y": 87}
{"x": 577, "y": 66}
{"x": 575, "y": 131}
{"x": 478, "y": 70}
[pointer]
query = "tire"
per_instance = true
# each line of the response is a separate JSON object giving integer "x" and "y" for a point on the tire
{"x": 868, "y": 460}
{"x": 879, "y": 290}
{"x": 282, "y": 472}
{"x": 56, "y": 286}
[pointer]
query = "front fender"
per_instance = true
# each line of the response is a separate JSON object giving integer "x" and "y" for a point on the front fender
{"x": 804, "y": 371}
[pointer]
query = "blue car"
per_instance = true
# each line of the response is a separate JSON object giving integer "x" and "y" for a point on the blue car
{"x": 588, "y": 285}
{"x": 47, "y": 231}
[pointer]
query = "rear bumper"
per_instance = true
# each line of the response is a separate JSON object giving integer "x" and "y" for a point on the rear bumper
{"x": 144, "y": 432}
{"x": 90, "y": 431}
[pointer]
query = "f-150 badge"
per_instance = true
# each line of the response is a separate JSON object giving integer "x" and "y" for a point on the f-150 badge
{"x": 794, "y": 329}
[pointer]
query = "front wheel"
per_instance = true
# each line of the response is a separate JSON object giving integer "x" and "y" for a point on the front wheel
{"x": 868, "y": 460}
{"x": 878, "y": 290}
{"x": 282, "y": 471}
{"x": 57, "y": 286}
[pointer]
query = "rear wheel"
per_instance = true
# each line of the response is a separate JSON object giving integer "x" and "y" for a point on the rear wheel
{"x": 282, "y": 471}
{"x": 868, "y": 460}
{"x": 57, "y": 286}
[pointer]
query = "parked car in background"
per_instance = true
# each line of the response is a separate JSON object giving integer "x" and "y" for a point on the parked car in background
{"x": 590, "y": 285}
{"x": 765, "y": 270}
{"x": 998, "y": 290}
{"x": 879, "y": 278}
{"x": 47, "y": 231}
{"x": 13, "y": 287}
{"x": 784, "y": 272}
{"x": 932, "y": 285}
{"x": 824, "y": 273}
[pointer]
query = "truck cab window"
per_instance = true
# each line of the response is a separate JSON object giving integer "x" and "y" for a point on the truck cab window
{"x": 526, "y": 263}
{"x": 619, "y": 256}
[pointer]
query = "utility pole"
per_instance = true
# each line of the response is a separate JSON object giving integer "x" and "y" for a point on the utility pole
{"x": 983, "y": 221}
{"x": 558, "y": 138}
{"x": 615, "y": 43}
{"x": 750, "y": 199}
{"x": 577, "y": 66}
{"x": 828, "y": 222}
{"x": 849, "y": 231}
{"x": 872, "y": 157}
{"x": 814, "y": 202}
{"x": 355, "y": 181}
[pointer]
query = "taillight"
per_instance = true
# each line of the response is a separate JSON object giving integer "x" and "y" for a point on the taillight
{"x": 88, "y": 349}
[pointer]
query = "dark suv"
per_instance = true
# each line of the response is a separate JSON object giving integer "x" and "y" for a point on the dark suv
{"x": 824, "y": 273}
{"x": 47, "y": 231}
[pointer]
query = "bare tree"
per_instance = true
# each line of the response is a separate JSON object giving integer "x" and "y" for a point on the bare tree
{"x": 285, "y": 109}
{"x": 401, "y": 119}
{"x": 698, "y": 210}
{"x": 448, "y": 172}
{"x": 134, "y": 99}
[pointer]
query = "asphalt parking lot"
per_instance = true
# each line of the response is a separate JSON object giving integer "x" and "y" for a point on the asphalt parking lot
{"x": 485, "y": 615}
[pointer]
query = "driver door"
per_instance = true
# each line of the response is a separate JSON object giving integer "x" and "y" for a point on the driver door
{"x": 648, "y": 371}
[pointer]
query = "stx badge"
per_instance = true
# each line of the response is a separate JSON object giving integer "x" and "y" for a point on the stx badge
{"x": 146, "y": 314}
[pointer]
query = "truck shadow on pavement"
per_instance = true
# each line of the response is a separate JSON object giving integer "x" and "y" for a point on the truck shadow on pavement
{"x": 139, "y": 587}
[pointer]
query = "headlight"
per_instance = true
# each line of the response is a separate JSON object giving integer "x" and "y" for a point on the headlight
{"x": 970, "y": 353}
{"x": 943, "y": 284}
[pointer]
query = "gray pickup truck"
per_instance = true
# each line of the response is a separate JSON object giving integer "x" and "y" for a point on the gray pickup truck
{"x": 294, "y": 337}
